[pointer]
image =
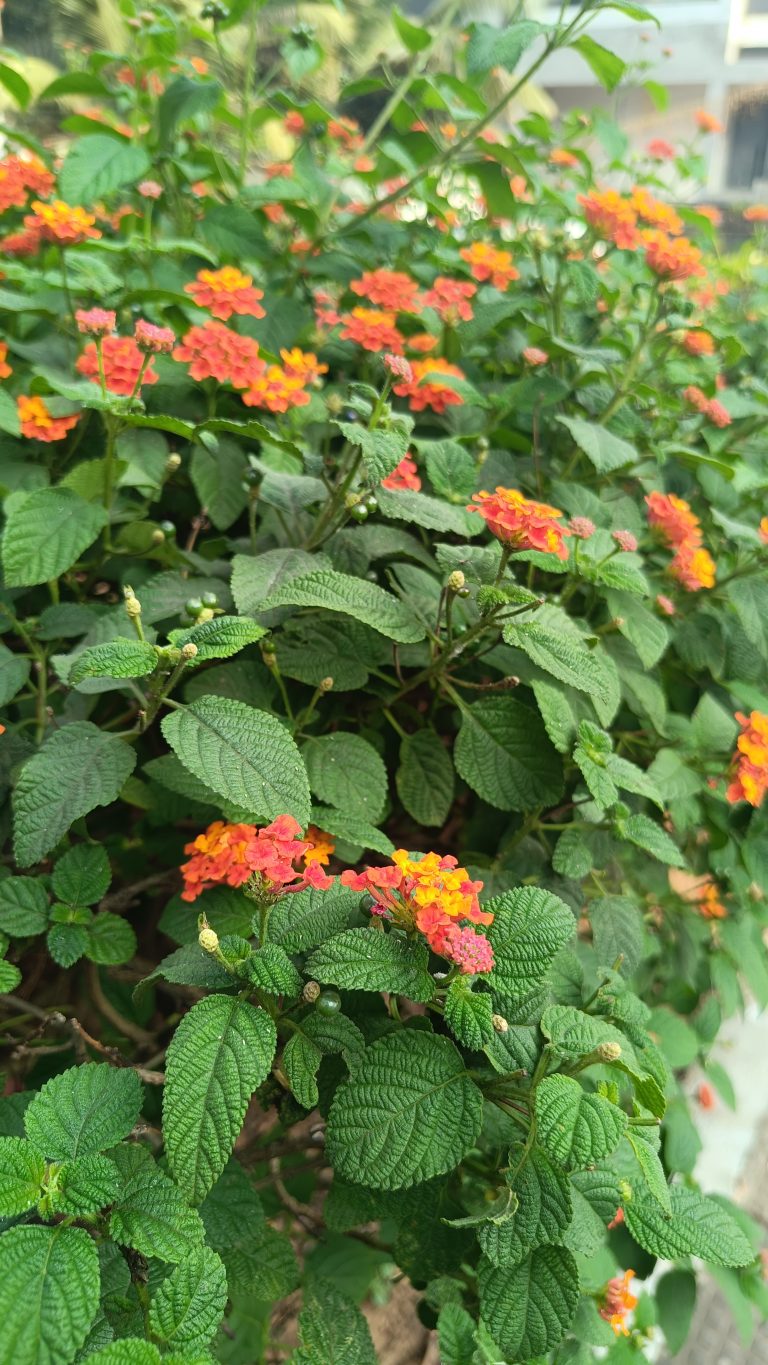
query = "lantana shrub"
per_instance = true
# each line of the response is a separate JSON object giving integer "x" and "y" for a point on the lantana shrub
{"x": 386, "y": 731}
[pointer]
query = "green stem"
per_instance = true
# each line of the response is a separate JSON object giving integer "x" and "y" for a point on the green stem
{"x": 245, "y": 114}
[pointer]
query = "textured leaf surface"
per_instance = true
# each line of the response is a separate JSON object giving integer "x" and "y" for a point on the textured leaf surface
{"x": 21, "y": 1175}
{"x": 503, "y": 752}
{"x": 85, "y": 1109}
{"x": 152, "y": 1216}
{"x": 87, "y": 1184}
{"x": 575, "y": 1127}
{"x": 355, "y": 597}
{"x": 544, "y": 1210}
{"x": 222, "y": 1049}
{"x": 78, "y": 768}
{"x": 128, "y": 1351}
{"x": 382, "y": 450}
{"x": 303, "y": 920}
{"x": 220, "y": 638}
{"x": 98, "y": 164}
{"x": 425, "y": 778}
{"x": 529, "y": 928}
{"x": 82, "y": 876}
{"x": 190, "y": 1303}
{"x": 649, "y": 836}
{"x": 699, "y": 1226}
{"x": 46, "y": 534}
{"x": 469, "y": 1015}
{"x": 14, "y": 671}
{"x": 355, "y": 829}
{"x": 564, "y": 656}
{"x": 332, "y": 1330}
{"x": 319, "y": 1036}
{"x": 346, "y": 771}
{"x": 617, "y": 932}
{"x": 369, "y": 960}
{"x": 529, "y": 1308}
{"x": 409, "y": 1112}
{"x": 245, "y": 755}
{"x": 606, "y": 451}
{"x": 232, "y": 1210}
{"x": 49, "y": 1293}
{"x": 270, "y": 969}
{"x": 116, "y": 659}
{"x": 23, "y": 906}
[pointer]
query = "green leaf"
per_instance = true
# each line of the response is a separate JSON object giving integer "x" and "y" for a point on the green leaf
{"x": 21, "y": 1174}
{"x": 617, "y": 932}
{"x": 606, "y": 451}
{"x": 503, "y": 753}
{"x": 347, "y": 772}
{"x": 412, "y": 36}
{"x": 649, "y": 836}
{"x": 564, "y": 656}
{"x": 318, "y": 1036}
{"x": 489, "y": 47}
{"x": 190, "y": 1303}
{"x": 699, "y": 1226}
{"x": 220, "y": 638}
{"x": 469, "y": 1015}
{"x": 96, "y": 165}
{"x": 126, "y": 1351}
{"x": 82, "y": 875}
{"x": 419, "y": 509}
{"x": 270, "y": 969}
{"x": 675, "y": 1301}
{"x": 352, "y": 828}
{"x": 49, "y": 1293}
{"x": 217, "y": 478}
{"x": 425, "y": 778}
{"x": 456, "y": 1335}
{"x": 529, "y": 928}
{"x": 606, "y": 65}
{"x": 14, "y": 671}
{"x": 243, "y": 754}
{"x": 15, "y": 84}
{"x": 232, "y": 1212}
{"x": 221, "y": 1051}
{"x": 78, "y": 768}
{"x": 544, "y": 1209}
{"x": 86, "y": 1185}
{"x": 355, "y": 597}
{"x": 409, "y": 1112}
{"x": 369, "y": 960}
{"x": 184, "y": 99}
{"x": 529, "y": 1308}
{"x": 46, "y": 534}
{"x": 151, "y": 1215}
{"x": 111, "y": 940}
{"x": 382, "y": 450}
{"x": 332, "y": 1330}
{"x": 452, "y": 470}
{"x": 650, "y": 1164}
{"x": 305, "y": 918}
{"x": 572, "y": 856}
{"x": 576, "y": 1128}
{"x": 117, "y": 659}
{"x": 10, "y": 976}
{"x": 646, "y": 632}
{"x": 266, "y": 1269}
{"x": 574, "y": 1034}
{"x": 23, "y": 906}
{"x": 85, "y": 1109}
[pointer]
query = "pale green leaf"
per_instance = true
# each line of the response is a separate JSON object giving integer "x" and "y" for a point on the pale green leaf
{"x": 332, "y": 1330}
{"x": 86, "y": 1185}
{"x": 353, "y": 828}
{"x": 419, "y": 509}
{"x": 649, "y": 836}
{"x": 84, "y": 1109}
{"x": 220, "y": 638}
{"x": 382, "y": 450}
{"x": 23, "y": 906}
{"x": 14, "y": 671}
{"x": 489, "y": 47}
{"x": 606, "y": 451}
{"x": 699, "y": 1226}
{"x": 217, "y": 478}
{"x": 529, "y": 928}
{"x": 305, "y": 918}
{"x": 346, "y": 771}
{"x": 243, "y": 754}
{"x": 82, "y": 875}
{"x": 46, "y": 534}
{"x": 617, "y": 932}
{"x": 78, "y": 768}
{"x": 270, "y": 969}
{"x": 544, "y": 1209}
{"x": 409, "y": 1112}
{"x": 316, "y": 1036}
{"x": 98, "y": 164}
{"x": 221, "y": 1051}
{"x": 469, "y": 1015}
{"x": 151, "y": 1215}
{"x": 564, "y": 656}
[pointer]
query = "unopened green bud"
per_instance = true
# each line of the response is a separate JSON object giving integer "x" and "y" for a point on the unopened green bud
{"x": 499, "y": 1023}
{"x": 132, "y": 603}
{"x": 310, "y": 993}
{"x": 172, "y": 464}
{"x": 208, "y": 939}
{"x": 158, "y": 536}
{"x": 326, "y": 684}
{"x": 456, "y": 580}
{"x": 189, "y": 650}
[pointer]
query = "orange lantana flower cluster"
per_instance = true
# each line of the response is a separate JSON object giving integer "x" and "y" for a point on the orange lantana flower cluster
{"x": 450, "y": 299}
{"x": 21, "y": 176}
{"x": 392, "y": 290}
{"x": 62, "y": 223}
{"x": 214, "y": 351}
{"x": 619, "y": 220}
{"x": 224, "y": 292}
{"x": 672, "y": 258}
{"x": 5, "y": 369}
{"x": 612, "y": 217}
{"x": 404, "y": 476}
{"x": 708, "y": 407}
{"x": 432, "y": 895}
{"x": 426, "y": 389}
{"x": 654, "y": 212}
{"x": 692, "y": 565}
{"x": 373, "y": 329}
{"x": 520, "y": 522}
{"x": 122, "y": 362}
{"x": 699, "y": 343}
{"x": 710, "y": 904}
{"x": 236, "y": 854}
{"x": 618, "y": 1302}
{"x": 487, "y": 262}
{"x": 750, "y": 781}
{"x": 39, "y": 424}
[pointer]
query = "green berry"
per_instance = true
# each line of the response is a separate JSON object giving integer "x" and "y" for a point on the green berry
{"x": 329, "y": 1002}
{"x": 359, "y": 512}
{"x": 462, "y": 592}
{"x": 193, "y": 606}
{"x": 209, "y": 599}
{"x": 371, "y": 503}
{"x": 168, "y": 527}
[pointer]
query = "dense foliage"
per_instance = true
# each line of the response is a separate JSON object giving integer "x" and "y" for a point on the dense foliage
{"x": 382, "y": 547}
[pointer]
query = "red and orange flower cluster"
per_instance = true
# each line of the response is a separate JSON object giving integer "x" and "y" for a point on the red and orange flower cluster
{"x": 265, "y": 858}
{"x": 708, "y": 407}
{"x": 224, "y": 292}
{"x": 38, "y": 423}
{"x": 750, "y": 780}
{"x": 405, "y": 476}
{"x": 488, "y": 263}
{"x": 437, "y": 898}
{"x": 521, "y": 523}
{"x": 642, "y": 220}
{"x": 21, "y": 176}
{"x": 618, "y": 1301}
{"x": 692, "y": 565}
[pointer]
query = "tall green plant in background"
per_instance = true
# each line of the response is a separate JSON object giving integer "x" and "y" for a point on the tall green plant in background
{"x": 385, "y": 735}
